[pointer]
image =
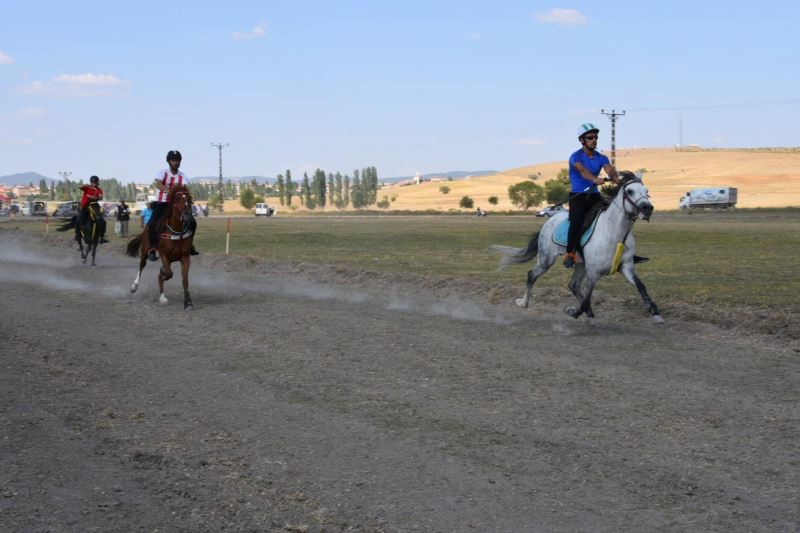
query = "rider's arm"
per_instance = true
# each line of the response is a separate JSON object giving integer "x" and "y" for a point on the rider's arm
{"x": 586, "y": 174}
{"x": 612, "y": 173}
{"x": 158, "y": 184}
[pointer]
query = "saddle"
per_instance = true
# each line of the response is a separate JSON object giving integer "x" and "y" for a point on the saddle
{"x": 561, "y": 232}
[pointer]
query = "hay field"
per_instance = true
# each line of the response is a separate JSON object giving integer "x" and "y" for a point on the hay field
{"x": 764, "y": 179}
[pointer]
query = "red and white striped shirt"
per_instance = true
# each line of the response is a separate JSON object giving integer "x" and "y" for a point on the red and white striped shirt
{"x": 170, "y": 180}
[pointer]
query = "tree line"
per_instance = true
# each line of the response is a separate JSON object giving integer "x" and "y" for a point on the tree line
{"x": 321, "y": 190}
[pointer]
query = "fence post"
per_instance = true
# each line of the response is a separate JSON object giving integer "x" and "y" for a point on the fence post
{"x": 47, "y": 224}
{"x": 228, "y": 237}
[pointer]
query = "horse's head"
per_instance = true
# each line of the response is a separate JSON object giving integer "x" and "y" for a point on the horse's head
{"x": 94, "y": 210}
{"x": 180, "y": 202}
{"x": 635, "y": 198}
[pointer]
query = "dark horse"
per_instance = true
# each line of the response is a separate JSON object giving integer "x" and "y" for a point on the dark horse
{"x": 89, "y": 232}
{"x": 174, "y": 244}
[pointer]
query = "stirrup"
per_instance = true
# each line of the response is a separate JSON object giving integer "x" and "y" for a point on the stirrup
{"x": 640, "y": 259}
{"x": 151, "y": 255}
{"x": 193, "y": 251}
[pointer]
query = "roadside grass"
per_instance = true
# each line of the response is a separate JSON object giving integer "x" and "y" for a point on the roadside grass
{"x": 740, "y": 259}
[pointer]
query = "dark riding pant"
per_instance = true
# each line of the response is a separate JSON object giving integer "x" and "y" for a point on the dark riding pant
{"x": 159, "y": 210}
{"x": 579, "y": 205}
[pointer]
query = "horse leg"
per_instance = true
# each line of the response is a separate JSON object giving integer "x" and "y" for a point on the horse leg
{"x": 94, "y": 251}
{"x": 543, "y": 264}
{"x": 576, "y": 281}
{"x": 142, "y": 264}
{"x": 83, "y": 255}
{"x": 187, "y": 300}
{"x": 163, "y": 275}
{"x": 586, "y": 302}
{"x": 649, "y": 304}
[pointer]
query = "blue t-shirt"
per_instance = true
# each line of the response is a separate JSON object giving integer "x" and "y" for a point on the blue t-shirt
{"x": 592, "y": 164}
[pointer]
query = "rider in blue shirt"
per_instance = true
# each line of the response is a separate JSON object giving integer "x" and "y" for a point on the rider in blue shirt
{"x": 584, "y": 171}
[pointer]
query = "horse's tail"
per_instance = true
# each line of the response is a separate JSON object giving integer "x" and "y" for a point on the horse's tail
{"x": 134, "y": 245}
{"x": 69, "y": 224}
{"x": 514, "y": 256}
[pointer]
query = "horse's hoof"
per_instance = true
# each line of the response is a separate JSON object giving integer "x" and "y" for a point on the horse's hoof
{"x": 521, "y": 303}
{"x": 163, "y": 300}
{"x": 573, "y": 312}
{"x": 188, "y": 307}
{"x": 133, "y": 288}
{"x": 657, "y": 319}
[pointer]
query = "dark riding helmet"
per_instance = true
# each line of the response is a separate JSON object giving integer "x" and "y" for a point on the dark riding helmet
{"x": 94, "y": 180}
{"x": 173, "y": 154}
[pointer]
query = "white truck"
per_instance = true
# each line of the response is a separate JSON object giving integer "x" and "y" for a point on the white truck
{"x": 714, "y": 198}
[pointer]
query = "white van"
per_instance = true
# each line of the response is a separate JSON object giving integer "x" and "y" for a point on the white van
{"x": 264, "y": 210}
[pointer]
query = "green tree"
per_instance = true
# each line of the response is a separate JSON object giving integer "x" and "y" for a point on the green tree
{"x": 289, "y": 187}
{"x": 338, "y": 199}
{"x": 247, "y": 198}
{"x": 466, "y": 202}
{"x": 444, "y": 189}
{"x": 384, "y": 203}
{"x": 493, "y": 200}
{"x": 281, "y": 190}
{"x": 525, "y": 194}
{"x": 563, "y": 176}
{"x": 331, "y": 190}
{"x": 346, "y": 191}
{"x": 258, "y": 199}
{"x": 535, "y": 176}
{"x": 556, "y": 191}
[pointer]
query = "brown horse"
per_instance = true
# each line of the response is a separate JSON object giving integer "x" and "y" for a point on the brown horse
{"x": 175, "y": 243}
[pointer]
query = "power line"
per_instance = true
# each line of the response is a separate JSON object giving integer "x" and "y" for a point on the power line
{"x": 721, "y": 106}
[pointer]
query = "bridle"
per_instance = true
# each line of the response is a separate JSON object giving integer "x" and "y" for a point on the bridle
{"x": 636, "y": 210}
{"x": 186, "y": 212}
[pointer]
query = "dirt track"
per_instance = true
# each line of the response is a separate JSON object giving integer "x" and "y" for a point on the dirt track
{"x": 287, "y": 405}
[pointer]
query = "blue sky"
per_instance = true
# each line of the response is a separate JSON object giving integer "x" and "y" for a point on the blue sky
{"x": 108, "y": 88}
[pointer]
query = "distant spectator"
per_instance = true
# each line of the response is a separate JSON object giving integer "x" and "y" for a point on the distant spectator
{"x": 147, "y": 212}
{"x": 123, "y": 216}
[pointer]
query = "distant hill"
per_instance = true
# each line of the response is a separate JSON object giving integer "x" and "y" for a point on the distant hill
{"x": 240, "y": 179}
{"x": 455, "y": 174}
{"x": 24, "y": 178}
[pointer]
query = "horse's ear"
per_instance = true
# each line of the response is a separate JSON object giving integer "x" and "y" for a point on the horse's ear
{"x": 639, "y": 174}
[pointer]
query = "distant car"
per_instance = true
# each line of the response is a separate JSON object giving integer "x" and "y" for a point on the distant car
{"x": 264, "y": 210}
{"x": 550, "y": 210}
{"x": 67, "y": 209}
{"x": 33, "y": 208}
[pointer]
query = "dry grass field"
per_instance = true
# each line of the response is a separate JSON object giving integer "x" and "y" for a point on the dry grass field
{"x": 764, "y": 179}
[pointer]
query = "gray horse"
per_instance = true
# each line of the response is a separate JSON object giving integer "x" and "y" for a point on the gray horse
{"x": 613, "y": 226}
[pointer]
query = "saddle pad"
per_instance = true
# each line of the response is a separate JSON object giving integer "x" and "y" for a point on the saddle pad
{"x": 561, "y": 233}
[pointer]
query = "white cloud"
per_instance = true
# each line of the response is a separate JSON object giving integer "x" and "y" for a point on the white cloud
{"x": 562, "y": 17}
{"x": 528, "y": 142}
{"x": 96, "y": 80}
{"x": 259, "y": 30}
{"x": 5, "y": 59}
{"x": 475, "y": 35}
{"x": 88, "y": 84}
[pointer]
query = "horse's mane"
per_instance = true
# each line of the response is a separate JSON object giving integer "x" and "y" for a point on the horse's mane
{"x": 607, "y": 195}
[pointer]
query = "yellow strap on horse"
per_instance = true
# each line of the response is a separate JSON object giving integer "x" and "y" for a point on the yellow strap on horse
{"x": 617, "y": 258}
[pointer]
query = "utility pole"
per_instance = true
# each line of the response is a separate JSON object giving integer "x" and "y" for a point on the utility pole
{"x": 680, "y": 131}
{"x": 65, "y": 174}
{"x": 221, "y": 198}
{"x": 613, "y": 116}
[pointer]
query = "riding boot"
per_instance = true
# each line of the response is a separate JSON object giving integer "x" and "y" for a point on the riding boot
{"x": 570, "y": 259}
{"x": 194, "y": 251}
{"x": 151, "y": 255}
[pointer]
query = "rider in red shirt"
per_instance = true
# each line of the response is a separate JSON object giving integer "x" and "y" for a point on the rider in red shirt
{"x": 91, "y": 193}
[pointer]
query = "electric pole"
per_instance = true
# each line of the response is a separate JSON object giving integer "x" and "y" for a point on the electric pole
{"x": 221, "y": 198}
{"x": 613, "y": 116}
{"x": 65, "y": 174}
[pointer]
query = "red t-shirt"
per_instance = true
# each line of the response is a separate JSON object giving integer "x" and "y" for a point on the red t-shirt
{"x": 90, "y": 192}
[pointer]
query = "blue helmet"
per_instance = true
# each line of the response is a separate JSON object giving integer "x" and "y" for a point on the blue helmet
{"x": 585, "y": 128}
